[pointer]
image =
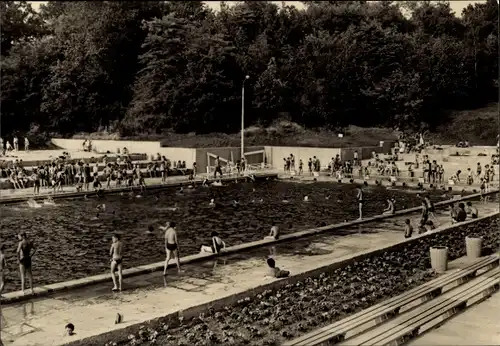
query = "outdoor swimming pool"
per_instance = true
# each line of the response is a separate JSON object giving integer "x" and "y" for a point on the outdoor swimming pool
{"x": 72, "y": 244}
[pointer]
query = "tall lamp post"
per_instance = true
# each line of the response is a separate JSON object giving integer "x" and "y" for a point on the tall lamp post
{"x": 243, "y": 117}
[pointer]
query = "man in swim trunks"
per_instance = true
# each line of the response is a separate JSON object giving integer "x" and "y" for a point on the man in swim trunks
{"x": 359, "y": 196}
{"x": 171, "y": 246}
{"x": 25, "y": 251}
{"x": 116, "y": 253}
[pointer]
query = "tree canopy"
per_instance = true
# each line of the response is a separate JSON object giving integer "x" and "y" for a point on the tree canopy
{"x": 148, "y": 67}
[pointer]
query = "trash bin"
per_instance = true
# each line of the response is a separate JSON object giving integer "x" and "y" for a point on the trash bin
{"x": 439, "y": 258}
{"x": 474, "y": 247}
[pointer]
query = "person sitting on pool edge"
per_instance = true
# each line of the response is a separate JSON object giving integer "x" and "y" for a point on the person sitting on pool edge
{"x": 274, "y": 234}
{"x": 390, "y": 210}
{"x": 217, "y": 245}
{"x": 460, "y": 214}
{"x": 471, "y": 210}
{"x": 274, "y": 271}
{"x": 408, "y": 228}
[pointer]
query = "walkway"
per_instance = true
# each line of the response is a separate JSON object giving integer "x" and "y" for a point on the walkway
{"x": 92, "y": 309}
{"x": 28, "y": 192}
{"x": 475, "y": 326}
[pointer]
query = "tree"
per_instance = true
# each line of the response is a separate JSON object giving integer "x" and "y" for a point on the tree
{"x": 18, "y": 22}
{"x": 160, "y": 66}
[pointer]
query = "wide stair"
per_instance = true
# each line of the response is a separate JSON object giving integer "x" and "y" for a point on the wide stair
{"x": 405, "y": 317}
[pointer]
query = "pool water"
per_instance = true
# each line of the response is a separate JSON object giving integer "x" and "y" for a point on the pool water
{"x": 73, "y": 244}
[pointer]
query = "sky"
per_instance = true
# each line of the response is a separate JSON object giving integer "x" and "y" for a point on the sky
{"x": 456, "y": 6}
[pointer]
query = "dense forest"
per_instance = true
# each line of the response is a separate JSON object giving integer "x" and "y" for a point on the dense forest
{"x": 150, "y": 67}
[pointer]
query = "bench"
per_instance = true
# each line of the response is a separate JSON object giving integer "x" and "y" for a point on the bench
{"x": 431, "y": 314}
{"x": 390, "y": 308}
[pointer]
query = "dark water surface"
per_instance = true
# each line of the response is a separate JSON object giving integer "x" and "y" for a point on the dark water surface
{"x": 72, "y": 245}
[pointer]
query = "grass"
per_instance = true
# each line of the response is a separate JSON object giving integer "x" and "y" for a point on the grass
{"x": 283, "y": 133}
{"x": 478, "y": 126}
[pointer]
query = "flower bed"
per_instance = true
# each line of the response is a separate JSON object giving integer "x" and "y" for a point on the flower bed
{"x": 273, "y": 317}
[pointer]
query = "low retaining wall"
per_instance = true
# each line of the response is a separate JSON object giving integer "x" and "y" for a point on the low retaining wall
{"x": 451, "y": 236}
{"x": 142, "y": 147}
{"x": 154, "y": 267}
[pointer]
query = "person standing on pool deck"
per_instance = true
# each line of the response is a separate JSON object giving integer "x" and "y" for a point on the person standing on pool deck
{"x": 3, "y": 265}
{"x": 25, "y": 251}
{"x": 360, "y": 201}
{"x": 171, "y": 247}
{"x": 218, "y": 168}
{"x": 116, "y": 253}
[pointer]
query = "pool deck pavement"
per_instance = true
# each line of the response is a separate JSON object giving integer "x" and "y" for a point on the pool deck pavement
{"x": 93, "y": 309}
{"x": 475, "y": 326}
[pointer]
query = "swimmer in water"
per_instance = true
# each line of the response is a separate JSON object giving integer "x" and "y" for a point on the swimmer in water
{"x": 101, "y": 207}
{"x": 33, "y": 204}
{"x": 171, "y": 246}
{"x": 212, "y": 203}
{"x": 327, "y": 197}
{"x": 49, "y": 201}
{"x": 174, "y": 208}
{"x": 150, "y": 229}
{"x": 306, "y": 198}
{"x": 116, "y": 253}
{"x": 235, "y": 203}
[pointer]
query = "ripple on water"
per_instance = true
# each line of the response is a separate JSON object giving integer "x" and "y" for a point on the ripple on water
{"x": 73, "y": 245}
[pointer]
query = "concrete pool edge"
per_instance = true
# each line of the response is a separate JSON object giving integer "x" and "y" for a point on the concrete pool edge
{"x": 172, "y": 319}
{"x": 74, "y": 194}
{"x": 46, "y": 290}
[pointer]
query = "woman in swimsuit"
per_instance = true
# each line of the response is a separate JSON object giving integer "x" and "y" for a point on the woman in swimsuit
{"x": 116, "y": 253}
{"x": 24, "y": 252}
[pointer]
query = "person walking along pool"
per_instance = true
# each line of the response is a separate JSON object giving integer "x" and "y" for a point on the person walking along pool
{"x": 25, "y": 252}
{"x": 116, "y": 253}
{"x": 171, "y": 246}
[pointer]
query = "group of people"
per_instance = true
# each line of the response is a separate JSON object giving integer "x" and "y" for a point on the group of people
{"x": 458, "y": 213}
{"x": 25, "y": 252}
{"x": 6, "y": 147}
{"x": 289, "y": 165}
{"x": 483, "y": 176}
{"x": 171, "y": 242}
